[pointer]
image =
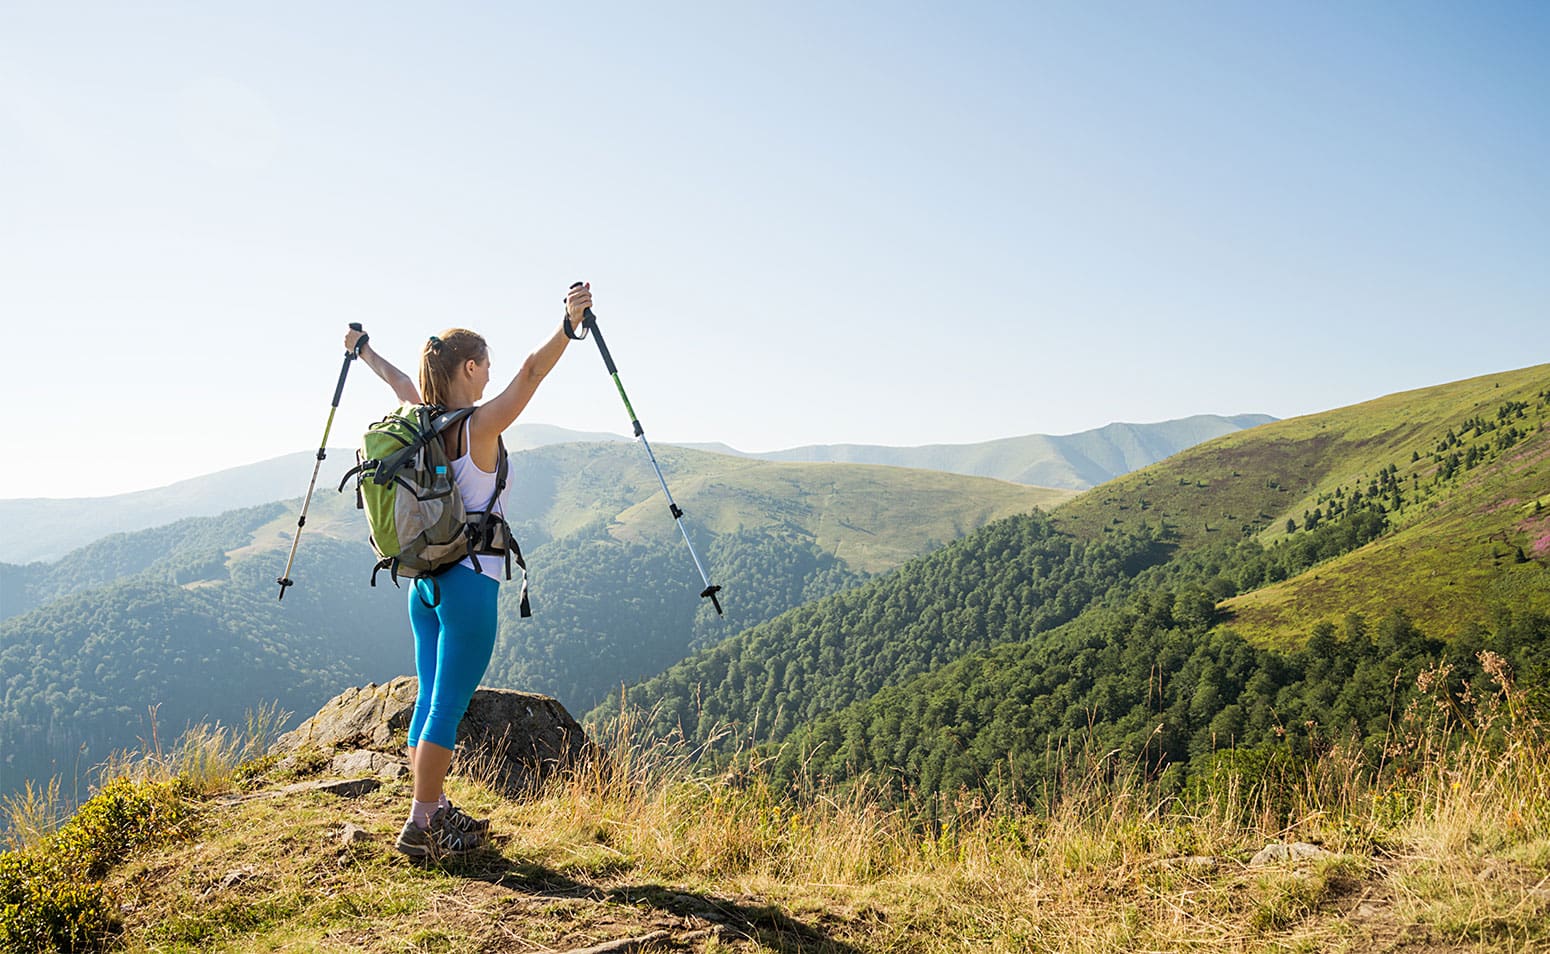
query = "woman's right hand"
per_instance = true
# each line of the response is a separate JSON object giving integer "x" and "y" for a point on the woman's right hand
{"x": 350, "y": 338}
{"x": 577, "y": 301}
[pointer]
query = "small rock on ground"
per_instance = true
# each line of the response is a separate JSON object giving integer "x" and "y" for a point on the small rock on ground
{"x": 1275, "y": 853}
{"x": 366, "y": 762}
{"x": 344, "y": 788}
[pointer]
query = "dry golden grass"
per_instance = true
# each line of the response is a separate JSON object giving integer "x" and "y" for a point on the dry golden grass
{"x": 1446, "y": 846}
{"x": 33, "y": 814}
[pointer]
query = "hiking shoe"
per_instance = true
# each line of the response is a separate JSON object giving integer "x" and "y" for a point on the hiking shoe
{"x": 464, "y": 822}
{"x": 439, "y": 840}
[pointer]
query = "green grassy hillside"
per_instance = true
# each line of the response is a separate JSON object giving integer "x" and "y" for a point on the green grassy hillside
{"x": 1106, "y": 621}
{"x": 1451, "y": 534}
{"x": 1480, "y": 551}
{"x": 871, "y": 517}
{"x": 190, "y": 549}
{"x": 1414, "y": 541}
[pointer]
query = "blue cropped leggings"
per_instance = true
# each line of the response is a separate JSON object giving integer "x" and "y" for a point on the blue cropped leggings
{"x": 452, "y": 646}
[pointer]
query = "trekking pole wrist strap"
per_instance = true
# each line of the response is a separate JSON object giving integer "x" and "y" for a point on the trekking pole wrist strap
{"x": 570, "y": 329}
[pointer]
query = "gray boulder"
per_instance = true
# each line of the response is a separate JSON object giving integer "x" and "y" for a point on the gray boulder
{"x": 510, "y": 740}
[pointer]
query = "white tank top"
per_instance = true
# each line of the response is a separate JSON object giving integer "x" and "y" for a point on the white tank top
{"x": 476, "y": 487}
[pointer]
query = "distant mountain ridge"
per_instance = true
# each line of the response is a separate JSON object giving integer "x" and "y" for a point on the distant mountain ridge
{"x": 46, "y": 528}
{"x": 41, "y": 528}
{"x": 1069, "y": 462}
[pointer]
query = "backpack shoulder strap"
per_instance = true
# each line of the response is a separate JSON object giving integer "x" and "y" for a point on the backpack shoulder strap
{"x": 445, "y": 419}
{"x": 501, "y": 468}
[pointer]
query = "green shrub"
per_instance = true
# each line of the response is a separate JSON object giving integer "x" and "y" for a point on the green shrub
{"x": 249, "y": 773}
{"x": 115, "y": 821}
{"x": 51, "y": 894}
{"x": 44, "y": 908}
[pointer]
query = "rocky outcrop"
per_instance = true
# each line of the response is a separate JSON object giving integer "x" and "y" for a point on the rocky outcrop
{"x": 511, "y": 740}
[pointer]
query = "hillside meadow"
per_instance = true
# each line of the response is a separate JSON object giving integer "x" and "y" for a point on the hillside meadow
{"x": 1464, "y": 470}
{"x": 204, "y": 847}
{"x": 1114, "y": 618}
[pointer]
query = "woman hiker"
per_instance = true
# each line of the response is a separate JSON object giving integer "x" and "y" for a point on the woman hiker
{"x": 453, "y": 641}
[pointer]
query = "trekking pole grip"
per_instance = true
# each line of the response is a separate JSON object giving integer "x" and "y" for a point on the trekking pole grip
{"x": 349, "y": 356}
{"x": 589, "y": 322}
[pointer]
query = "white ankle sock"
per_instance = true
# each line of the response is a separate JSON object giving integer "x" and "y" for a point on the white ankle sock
{"x": 420, "y": 813}
{"x": 443, "y": 801}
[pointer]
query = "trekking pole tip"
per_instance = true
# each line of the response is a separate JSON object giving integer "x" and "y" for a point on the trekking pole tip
{"x": 711, "y": 592}
{"x": 284, "y": 582}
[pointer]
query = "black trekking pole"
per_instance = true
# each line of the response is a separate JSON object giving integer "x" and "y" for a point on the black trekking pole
{"x": 351, "y": 355}
{"x": 589, "y": 323}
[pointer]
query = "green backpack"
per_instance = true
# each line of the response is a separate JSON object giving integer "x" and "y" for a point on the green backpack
{"x": 419, "y": 526}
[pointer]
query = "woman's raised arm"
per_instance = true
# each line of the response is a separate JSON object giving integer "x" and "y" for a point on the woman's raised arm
{"x": 498, "y": 413}
{"x": 401, "y": 383}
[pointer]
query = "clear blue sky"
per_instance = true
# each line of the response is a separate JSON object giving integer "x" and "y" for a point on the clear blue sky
{"x": 896, "y": 223}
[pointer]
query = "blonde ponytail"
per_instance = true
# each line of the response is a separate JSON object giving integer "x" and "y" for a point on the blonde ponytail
{"x": 442, "y": 357}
